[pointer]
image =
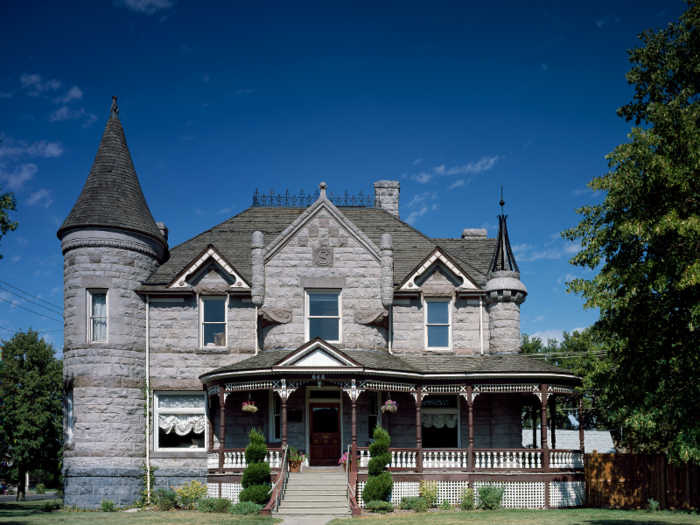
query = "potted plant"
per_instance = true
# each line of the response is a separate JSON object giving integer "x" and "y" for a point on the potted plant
{"x": 295, "y": 458}
{"x": 390, "y": 407}
{"x": 345, "y": 461}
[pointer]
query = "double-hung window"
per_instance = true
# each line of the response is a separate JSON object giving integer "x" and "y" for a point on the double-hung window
{"x": 438, "y": 332}
{"x": 213, "y": 332}
{"x": 372, "y": 412}
{"x": 97, "y": 322}
{"x": 180, "y": 420}
{"x": 275, "y": 418}
{"x": 323, "y": 318}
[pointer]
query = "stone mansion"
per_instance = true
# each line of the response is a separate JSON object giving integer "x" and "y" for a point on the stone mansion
{"x": 318, "y": 309}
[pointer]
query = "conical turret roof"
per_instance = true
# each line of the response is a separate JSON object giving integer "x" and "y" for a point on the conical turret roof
{"x": 503, "y": 259}
{"x": 112, "y": 196}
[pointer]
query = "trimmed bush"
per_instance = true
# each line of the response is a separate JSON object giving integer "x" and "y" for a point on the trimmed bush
{"x": 378, "y": 488}
{"x": 256, "y": 474}
{"x": 246, "y": 508}
{"x": 413, "y": 503}
{"x": 50, "y": 506}
{"x": 467, "y": 501}
{"x": 445, "y": 505}
{"x": 214, "y": 505}
{"x": 379, "y": 483}
{"x": 379, "y": 506}
{"x": 40, "y": 489}
{"x": 429, "y": 492}
{"x": 256, "y": 451}
{"x": 190, "y": 493}
{"x": 257, "y": 494}
{"x": 107, "y": 505}
{"x": 490, "y": 497}
{"x": 166, "y": 499}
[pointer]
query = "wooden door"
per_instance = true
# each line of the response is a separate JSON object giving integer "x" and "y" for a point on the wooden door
{"x": 324, "y": 434}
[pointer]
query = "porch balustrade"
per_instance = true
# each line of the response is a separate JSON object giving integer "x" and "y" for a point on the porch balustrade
{"x": 235, "y": 459}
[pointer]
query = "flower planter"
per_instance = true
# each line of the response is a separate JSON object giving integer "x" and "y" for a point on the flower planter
{"x": 295, "y": 466}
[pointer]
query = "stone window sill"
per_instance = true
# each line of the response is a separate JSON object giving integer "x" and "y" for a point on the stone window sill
{"x": 179, "y": 454}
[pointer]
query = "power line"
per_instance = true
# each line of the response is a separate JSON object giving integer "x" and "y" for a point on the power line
{"x": 41, "y": 332}
{"x": 37, "y": 304}
{"x": 30, "y": 295}
{"x": 28, "y": 310}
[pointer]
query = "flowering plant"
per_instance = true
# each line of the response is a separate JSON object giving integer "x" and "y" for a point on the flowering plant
{"x": 345, "y": 459}
{"x": 390, "y": 407}
{"x": 295, "y": 455}
{"x": 249, "y": 406}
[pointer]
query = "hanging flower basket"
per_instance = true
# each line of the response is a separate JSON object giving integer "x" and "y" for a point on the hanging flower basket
{"x": 249, "y": 406}
{"x": 390, "y": 407}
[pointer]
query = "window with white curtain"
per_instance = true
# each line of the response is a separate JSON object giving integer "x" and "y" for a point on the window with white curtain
{"x": 440, "y": 421}
{"x": 97, "y": 312}
{"x": 181, "y": 420}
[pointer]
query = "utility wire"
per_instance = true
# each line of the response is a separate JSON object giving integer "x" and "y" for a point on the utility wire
{"x": 41, "y": 332}
{"x": 37, "y": 304}
{"x": 28, "y": 310}
{"x": 30, "y": 295}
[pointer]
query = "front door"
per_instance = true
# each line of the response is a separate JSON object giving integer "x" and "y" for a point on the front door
{"x": 324, "y": 433}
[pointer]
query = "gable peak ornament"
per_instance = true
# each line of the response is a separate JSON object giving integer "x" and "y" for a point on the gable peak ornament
{"x": 323, "y": 256}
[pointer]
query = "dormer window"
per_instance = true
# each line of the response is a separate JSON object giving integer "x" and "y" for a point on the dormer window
{"x": 97, "y": 322}
{"x": 213, "y": 331}
{"x": 323, "y": 315}
{"x": 438, "y": 317}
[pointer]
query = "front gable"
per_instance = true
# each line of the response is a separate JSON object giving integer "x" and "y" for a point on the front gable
{"x": 315, "y": 355}
{"x": 207, "y": 261}
{"x": 437, "y": 261}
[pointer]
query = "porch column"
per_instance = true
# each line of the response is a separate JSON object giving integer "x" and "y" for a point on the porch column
{"x": 353, "y": 431}
{"x": 419, "y": 444}
{"x": 284, "y": 421}
{"x": 210, "y": 424}
{"x": 543, "y": 424}
{"x": 470, "y": 406}
{"x": 580, "y": 424}
{"x": 533, "y": 410}
{"x": 222, "y": 428}
{"x": 553, "y": 420}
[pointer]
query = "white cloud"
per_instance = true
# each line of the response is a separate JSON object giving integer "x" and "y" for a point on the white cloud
{"x": 422, "y": 177}
{"x": 56, "y": 290}
{"x": 16, "y": 258}
{"x": 456, "y": 184}
{"x": 16, "y": 179}
{"x": 484, "y": 164}
{"x": 555, "y": 333}
{"x": 581, "y": 191}
{"x": 225, "y": 210}
{"x": 65, "y": 113}
{"x": 538, "y": 318}
{"x": 566, "y": 278}
{"x": 19, "y": 148}
{"x": 529, "y": 253}
{"x": 36, "y": 84}
{"x": 417, "y": 161}
{"x": 73, "y": 93}
{"x": 41, "y": 198}
{"x": 420, "y": 202}
{"x": 608, "y": 20}
{"x": 22, "y": 241}
{"x": 244, "y": 91}
{"x": 198, "y": 210}
{"x": 146, "y": 6}
{"x": 415, "y": 215}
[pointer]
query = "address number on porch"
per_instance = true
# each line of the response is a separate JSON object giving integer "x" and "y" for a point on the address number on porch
{"x": 318, "y": 376}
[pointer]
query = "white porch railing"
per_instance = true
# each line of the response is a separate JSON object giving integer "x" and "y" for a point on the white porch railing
{"x": 439, "y": 459}
{"x": 565, "y": 460}
{"x": 514, "y": 459}
{"x": 235, "y": 459}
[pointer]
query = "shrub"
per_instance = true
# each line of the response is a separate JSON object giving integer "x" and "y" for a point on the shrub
{"x": 413, "y": 503}
{"x": 379, "y": 506}
{"x": 259, "y": 494}
{"x": 166, "y": 499}
{"x": 256, "y": 451}
{"x": 59, "y": 493}
{"x": 50, "y": 506}
{"x": 379, "y": 483}
{"x": 490, "y": 497}
{"x": 214, "y": 505}
{"x": 467, "y": 501}
{"x": 378, "y": 488}
{"x": 653, "y": 505}
{"x": 40, "y": 489}
{"x": 256, "y": 474}
{"x": 429, "y": 492}
{"x": 246, "y": 507}
{"x": 107, "y": 505}
{"x": 445, "y": 505}
{"x": 190, "y": 493}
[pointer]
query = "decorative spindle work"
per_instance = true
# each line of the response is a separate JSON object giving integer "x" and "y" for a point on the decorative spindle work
{"x": 304, "y": 200}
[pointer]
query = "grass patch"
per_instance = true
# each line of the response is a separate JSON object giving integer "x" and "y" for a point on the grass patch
{"x": 28, "y": 512}
{"x": 532, "y": 517}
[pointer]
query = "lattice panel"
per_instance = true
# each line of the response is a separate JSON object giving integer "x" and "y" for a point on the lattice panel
{"x": 451, "y": 491}
{"x": 506, "y": 388}
{"x": 566, "y": 493}
{"x": 230, "y": 491}
{"x": 252, "y": 385}
{"x": 393, "y": 387}
{"x": 518, "y": 495}
{"x": 561, "y": 389}
{"x": 445, "y": 389}
{"x": 400, "y": 490}
{"x": 213, "y": 490}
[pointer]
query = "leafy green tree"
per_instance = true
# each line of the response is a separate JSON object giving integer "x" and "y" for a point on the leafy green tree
{"x": 31, "y": 410}
{"x": 7, "y": 204}
{"x": 644, "y": 239}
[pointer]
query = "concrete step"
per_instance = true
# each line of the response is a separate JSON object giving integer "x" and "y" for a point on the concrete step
{"x": 314, "y": 503}
{"x": 314, "y": 511}
{"x": 314, "y": 498}
{"x": 329, "y": 477}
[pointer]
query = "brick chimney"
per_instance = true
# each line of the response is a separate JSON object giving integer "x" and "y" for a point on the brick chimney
{"x": 386, "y": 192}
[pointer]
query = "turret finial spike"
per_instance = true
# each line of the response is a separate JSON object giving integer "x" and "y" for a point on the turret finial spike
{"x": 502, "y": 201}
{"x": 114, "y": 109}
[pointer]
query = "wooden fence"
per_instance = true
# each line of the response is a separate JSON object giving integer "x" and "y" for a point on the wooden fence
{"x": 630, "y": 480}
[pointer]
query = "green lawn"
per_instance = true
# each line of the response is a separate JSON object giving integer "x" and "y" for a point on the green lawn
{"x": 530, "y": 517}
{"x": 13, "y": 513}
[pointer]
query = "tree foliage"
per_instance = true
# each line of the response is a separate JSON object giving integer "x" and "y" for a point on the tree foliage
{"x": 644, "y": 238}
{"x": 31, "y": 410}
{"x": 7, "y": 204}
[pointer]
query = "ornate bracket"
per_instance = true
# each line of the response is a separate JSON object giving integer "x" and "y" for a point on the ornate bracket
{"x": 372, "y": 317}
{"x": 353, "y": 392}
{"x": 422, "y": 395}
{"x": 539, "y": 396}
{"x": 270, "y": 316}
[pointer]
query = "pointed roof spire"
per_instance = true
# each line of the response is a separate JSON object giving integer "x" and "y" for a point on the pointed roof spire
{"x": 112, "y": 196}
{"x": 503, "y": 259}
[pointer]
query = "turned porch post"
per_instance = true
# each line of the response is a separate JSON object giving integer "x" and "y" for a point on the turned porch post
{"x": 533, "y": 410}
{"x": 470, "y": 406}
{"x": 210, "y": 424}
{"x": 419, "y": 444}
{"x": 353, "y": 460}
{"x": 222, "y": 428}
{"x": 553, "y": 420}
{"x": 543, "y": 424}
{"x": 284, "y": 421}
{"x": 580, "y": 424}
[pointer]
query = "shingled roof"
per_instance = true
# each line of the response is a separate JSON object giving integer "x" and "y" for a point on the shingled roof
{"x": 233, "y": 239}
{"x": 112, "y": 196}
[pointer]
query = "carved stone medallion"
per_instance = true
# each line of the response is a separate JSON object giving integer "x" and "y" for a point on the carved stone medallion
{"x": 323, "y": 256}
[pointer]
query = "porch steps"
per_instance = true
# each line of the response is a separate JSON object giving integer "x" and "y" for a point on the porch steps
{"x": 315, "y": 494}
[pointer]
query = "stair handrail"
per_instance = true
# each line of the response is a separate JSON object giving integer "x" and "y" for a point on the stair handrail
{"x": 277, "y": 486}
{"x": 352, "y": 481}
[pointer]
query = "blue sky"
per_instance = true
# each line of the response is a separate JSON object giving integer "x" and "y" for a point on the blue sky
{"x": 453, "y": 99}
